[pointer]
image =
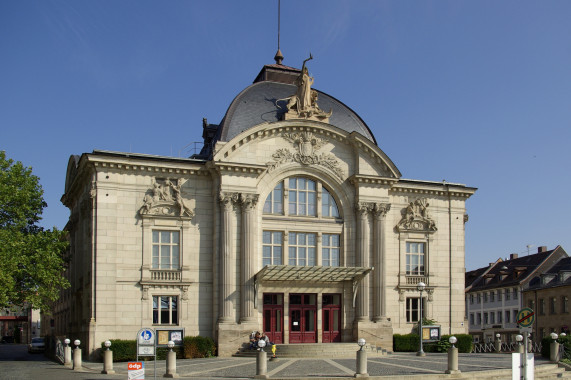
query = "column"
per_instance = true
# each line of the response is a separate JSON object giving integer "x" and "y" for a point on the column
{"x": 362, "y": 313}
{"x": 380, "y": 272}
{"x": 248, "y": 256}
{"x": 227, "y": 258}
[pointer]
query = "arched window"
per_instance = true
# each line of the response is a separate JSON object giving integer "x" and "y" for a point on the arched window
{"x": 289, "y": 240}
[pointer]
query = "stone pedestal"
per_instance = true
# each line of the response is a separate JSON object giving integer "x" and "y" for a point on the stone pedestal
{"x": 554, "y": 352}
{"x": 67, "y": 356}
{"x": 171, "y": 365}
{"x": 361, "y": 364}
{"x": 108, "y": 362}
{"x": 261, "y": 365}
{"x": 453, "y": 360}
{"x": 77, "y": 359}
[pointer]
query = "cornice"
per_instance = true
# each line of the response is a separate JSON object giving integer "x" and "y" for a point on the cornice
{"x": 230, "y": 167}
{"x": 372, "y": 180}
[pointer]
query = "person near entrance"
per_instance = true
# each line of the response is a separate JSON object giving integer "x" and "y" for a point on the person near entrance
{"x": 254, "y": 337}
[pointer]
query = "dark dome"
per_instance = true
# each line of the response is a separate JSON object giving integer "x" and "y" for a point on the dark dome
{"x": 257, "y": 104}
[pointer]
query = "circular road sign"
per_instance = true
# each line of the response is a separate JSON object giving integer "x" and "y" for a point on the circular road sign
{"x": 146, "y": 337}
{"x": 525, "y": 317}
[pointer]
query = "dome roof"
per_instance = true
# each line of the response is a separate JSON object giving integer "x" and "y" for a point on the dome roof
{"x": 265, "y": 101}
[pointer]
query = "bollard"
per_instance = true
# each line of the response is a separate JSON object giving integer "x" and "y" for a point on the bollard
{"x": 361, "y": 364}
{"x": 67, "y": 354}
{"x": 520, "y": 348}
{"x": 554, "y": 352}
{"x": 108, "y": 359}
{"x": 171, "y": 362}
{"x": 261, "y": 365}
{"x": 77, "y": 356}
{"x": 498, "y": 344}
{"x": 453, "y": 360}
{"x": 452, "y": 356}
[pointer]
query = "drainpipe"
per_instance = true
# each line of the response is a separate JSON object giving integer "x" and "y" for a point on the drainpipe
{"x": 449, "y": 260}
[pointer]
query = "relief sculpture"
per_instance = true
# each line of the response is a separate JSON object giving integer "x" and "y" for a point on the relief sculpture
{"x": 416, "y": 217}
{"x": 164, "y": 198}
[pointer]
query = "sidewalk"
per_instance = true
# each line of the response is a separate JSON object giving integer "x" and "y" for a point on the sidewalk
{"x": 399, "y": 364}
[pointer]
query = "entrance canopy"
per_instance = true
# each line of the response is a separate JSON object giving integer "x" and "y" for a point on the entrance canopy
{"x": 311, "y": 273}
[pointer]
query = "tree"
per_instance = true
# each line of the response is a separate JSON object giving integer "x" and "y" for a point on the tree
{"x": 32, "y": 260}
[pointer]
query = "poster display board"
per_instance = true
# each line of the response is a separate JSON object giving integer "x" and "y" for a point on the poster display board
{"x": 174, "y": 334}
{"x": 431, "y": 333}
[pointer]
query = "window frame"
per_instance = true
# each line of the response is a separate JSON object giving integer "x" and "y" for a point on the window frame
{"x": 335, "y": 249}
{"x": 411, "y": 310}
{"x": 420, "y": 269}
{"x": 158, "y": 310}
{"x": 300, "y": 247}
{"x": 160, "y": 244}
{"x": 273, "y": 248}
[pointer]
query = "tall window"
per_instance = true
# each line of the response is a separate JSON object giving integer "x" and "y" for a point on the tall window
{"x": 552, "y": 305}
{"x": 166, "y": 250}
{"x": 507, "y": 294}
{"x": 328, "y": 205}
{"x": 272, "y": 247}
{"x": 493, "y": 296}
{"x": 485, "y": 297}
{"x": 165, "y": 310}
{"x": 507, "y": 316}
{"x": 471, "y": 298}
{"x": 515, "y": 293}
{"x": 302, "y": 248}
{"x": 471, "y": 319}
{"x": 330, "y": 250}
{"x": 564, "y": 304}
{"x": 499, "y": 317}
{"x": 413, "y": 309}
{"x": 479, "y": 315}
{"x": 414, "y": 258}
{"x": 541, "y": 306}
{"x": 274, "y": 203}
{"x": 302, "y": 197}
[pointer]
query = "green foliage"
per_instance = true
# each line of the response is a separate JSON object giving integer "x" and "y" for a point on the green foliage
{"x": 198, "y": 347}
{"x": 410, "y": 343}
{"x": 405, "y": 343}
{"x": 31, "y": 258}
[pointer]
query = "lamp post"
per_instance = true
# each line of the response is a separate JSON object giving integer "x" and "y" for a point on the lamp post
{"x": 420, "y": 286}
{"x": 171, "y": 361}
{"x": 498, "y": 343}
{"x": 77, "y": 355}
{"x": 361, "y": 359}
{"x": 67, "y": 353}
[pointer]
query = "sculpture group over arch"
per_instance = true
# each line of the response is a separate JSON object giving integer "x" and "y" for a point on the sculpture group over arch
{"x": 164, "y": 198}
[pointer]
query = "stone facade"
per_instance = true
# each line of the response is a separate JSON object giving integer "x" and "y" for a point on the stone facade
{"x": 163, "y": 241}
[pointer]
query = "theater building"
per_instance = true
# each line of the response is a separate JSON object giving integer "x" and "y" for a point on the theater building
{"x": 291, "y": 219}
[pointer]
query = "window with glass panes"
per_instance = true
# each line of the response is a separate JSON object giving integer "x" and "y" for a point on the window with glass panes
{"x": 165, "y": 310}
{"x": 274, "y": 202}
{"x": 328, "y": 205}
{"x": 302, "y": 247}
{"x": 413, "y": 309}
{"x": 414, "y": 258}
{"x": 302, "y": 197}
{"x": 166, "y": 250}
{"x": 330, "y": 245}
{"x": 272, "y": 248}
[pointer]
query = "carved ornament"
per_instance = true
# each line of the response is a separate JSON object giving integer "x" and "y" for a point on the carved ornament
{"x": 306, "y": 145}
{"x": 416, "y": 217}
{"x": 164, "y": 198}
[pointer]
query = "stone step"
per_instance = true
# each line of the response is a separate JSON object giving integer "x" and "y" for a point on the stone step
{"x": 315, "y": 350}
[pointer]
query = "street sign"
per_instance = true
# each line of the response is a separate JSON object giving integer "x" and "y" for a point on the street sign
{"x": 146, "y": 337}
{"x": 146, "y": 351}
{"x": 525, "y": 317}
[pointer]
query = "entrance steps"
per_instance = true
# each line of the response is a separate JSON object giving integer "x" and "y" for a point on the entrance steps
{"x": 315, "y": 350}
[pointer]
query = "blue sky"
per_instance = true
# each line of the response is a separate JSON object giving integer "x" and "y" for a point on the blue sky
{"x": 472, "y": 92}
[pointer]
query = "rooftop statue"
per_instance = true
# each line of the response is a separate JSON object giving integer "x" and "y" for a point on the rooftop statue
{"x": 303, "y": 104}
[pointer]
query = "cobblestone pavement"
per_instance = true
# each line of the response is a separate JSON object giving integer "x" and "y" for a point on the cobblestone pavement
{"x": 16, "y": 364}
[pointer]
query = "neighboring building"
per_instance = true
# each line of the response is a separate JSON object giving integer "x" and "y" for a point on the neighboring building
{"x": 21, "y": 322}
{"x": 548, "y": 295}
{"x": 291, "y": 220}
{"x": 494, "y": 293}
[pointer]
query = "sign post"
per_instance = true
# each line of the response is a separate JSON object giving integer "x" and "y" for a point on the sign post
{"x": 147, "y": 346}
{"x": 525, "y": 319}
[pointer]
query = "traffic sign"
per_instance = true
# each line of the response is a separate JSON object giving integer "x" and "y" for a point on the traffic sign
{"x": 146, "y": 337}
{"x": 525, "y": 317}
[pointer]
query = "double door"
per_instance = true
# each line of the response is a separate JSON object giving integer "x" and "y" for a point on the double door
{"x": 302, "y": 318}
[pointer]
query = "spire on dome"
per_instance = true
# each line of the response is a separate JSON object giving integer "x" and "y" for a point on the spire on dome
{"x": 279, "y": 57}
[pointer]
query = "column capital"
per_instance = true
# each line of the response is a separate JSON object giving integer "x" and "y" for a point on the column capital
{"x": 228, "y": 199}
{"x": 380, "y": 210}
{"x": 249, "y": 201}
{"x": 363, "y": 208}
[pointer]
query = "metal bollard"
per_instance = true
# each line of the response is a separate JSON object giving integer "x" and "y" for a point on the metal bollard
{"x": 171, "y": 362}
{"x": 77, "y": 356}
{"x": 361, "y": 364}
{"x": 453, "y": 356}
{"x": 108, "y": 359}
{"x": 67, "y": 354}
{"x": 520, "y": 348}
{"x": 498, "y": 344}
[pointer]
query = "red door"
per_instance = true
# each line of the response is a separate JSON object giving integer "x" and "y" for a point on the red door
{"x": 273, "y": 317}
{"x": 331, "y": 319}
{"x": 302, "y": 318}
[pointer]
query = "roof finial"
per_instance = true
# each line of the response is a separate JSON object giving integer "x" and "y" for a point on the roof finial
{"x": 279, "y": 57}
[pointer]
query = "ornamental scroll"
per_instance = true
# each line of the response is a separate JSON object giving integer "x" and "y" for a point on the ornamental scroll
{"x": 164, "y": 198}
{"x": 416, "y": 217}
{"x": 306, "y": 144}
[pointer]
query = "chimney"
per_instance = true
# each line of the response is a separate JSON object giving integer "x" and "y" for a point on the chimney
{"x": 543, "y": 248}
{"x": 513, "y": 256}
